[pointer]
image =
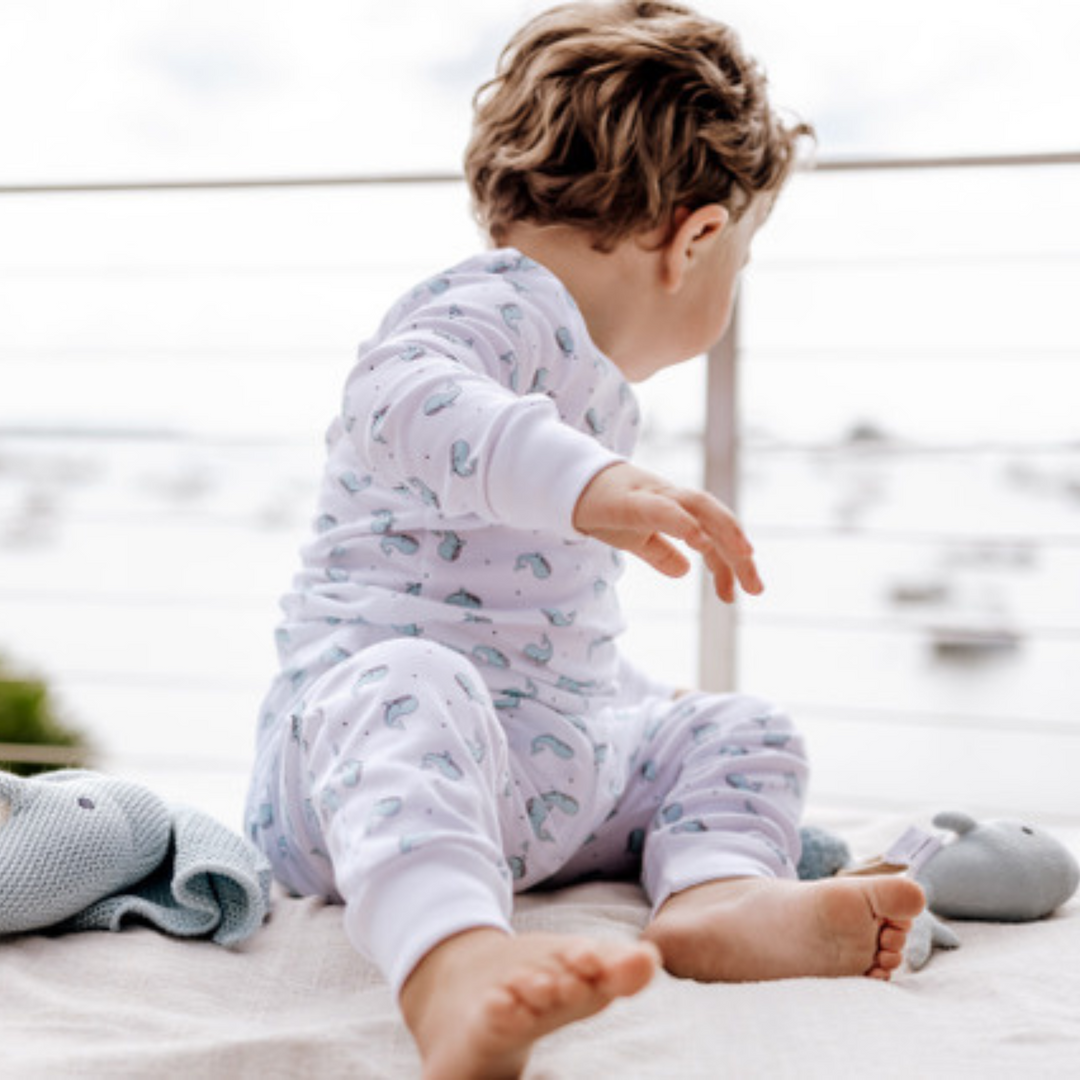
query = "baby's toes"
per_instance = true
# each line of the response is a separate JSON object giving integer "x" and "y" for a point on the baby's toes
{"x": 632, "y": 970}
{"x": 892, "y": 939}
{"x": 888, "y": 962}
{"x": 508, "y": 1015}
{"x": 539, "y": 990}
{"x": 583, "y": 961}
{"x": 578, "y": 995}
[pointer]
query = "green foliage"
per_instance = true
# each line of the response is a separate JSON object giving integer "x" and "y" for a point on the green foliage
{"x": 28, "y": 718}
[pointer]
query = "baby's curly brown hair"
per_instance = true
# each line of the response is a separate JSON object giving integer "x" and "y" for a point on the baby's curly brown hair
{"x": 609, "y": 116}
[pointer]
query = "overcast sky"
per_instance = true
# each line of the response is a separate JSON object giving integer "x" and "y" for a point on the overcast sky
{"x": 165, "y": 88}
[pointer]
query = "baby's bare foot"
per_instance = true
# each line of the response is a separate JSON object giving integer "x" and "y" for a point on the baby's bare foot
{"x": 478, "y": 1001}
{"x": 760, "y": 928}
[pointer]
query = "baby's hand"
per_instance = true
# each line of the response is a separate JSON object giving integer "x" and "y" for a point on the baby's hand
{"x": 628, "y": 508}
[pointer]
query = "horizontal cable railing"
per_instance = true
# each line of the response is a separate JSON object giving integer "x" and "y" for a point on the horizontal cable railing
{"x": 107, "y": 187}
{"x": 725, "y": 446}
{"x": 822, "y": 164}
{"x": 921, "y": 626}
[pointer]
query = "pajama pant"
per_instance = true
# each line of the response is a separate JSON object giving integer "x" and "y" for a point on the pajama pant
{"x": 400, "y": 790}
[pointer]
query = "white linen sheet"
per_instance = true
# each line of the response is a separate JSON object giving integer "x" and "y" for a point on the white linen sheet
{"x": 295, "y": 1001}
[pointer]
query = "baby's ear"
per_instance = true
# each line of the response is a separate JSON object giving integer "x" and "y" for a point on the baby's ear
{"x": 708, "y": 221}
{"x": 691, "y": 230}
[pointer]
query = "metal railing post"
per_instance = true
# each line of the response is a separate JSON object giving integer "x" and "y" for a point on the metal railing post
{"x": 717, "y": 621}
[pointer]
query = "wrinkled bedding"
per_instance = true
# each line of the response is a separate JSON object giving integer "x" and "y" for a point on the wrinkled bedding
{"x": 295, "y": 1001}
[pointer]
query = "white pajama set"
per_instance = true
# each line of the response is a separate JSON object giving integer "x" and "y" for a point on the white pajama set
{"x": 452, "y": 721}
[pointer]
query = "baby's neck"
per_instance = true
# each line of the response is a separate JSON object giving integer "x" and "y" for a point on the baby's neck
{"x": 613, "y": 290}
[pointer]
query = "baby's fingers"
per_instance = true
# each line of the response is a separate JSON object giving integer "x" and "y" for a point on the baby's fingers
{"x": 652, "y": 513}
{"x": 717, "y": 521}
{"x": 723, "y": 576}
{"x": 745, "y": 569}
{"x": 726, "y": 549}
{"x": 662, "y": 555}
{"x": 726, "y": 569}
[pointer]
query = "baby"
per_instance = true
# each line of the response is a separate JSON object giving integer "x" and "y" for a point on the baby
{"x": 453, "y": 721}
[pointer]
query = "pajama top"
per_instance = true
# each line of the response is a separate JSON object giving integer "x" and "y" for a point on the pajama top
{"x": 469, "y": 426}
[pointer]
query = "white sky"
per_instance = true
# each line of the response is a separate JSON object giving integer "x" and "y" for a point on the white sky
{"x": 158, "y": 88}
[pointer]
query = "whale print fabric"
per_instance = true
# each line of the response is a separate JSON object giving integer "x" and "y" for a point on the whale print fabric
{"x": 452, "y": 708}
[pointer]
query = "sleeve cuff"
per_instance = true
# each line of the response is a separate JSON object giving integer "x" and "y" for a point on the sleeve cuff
{"x": 543, "y": 467}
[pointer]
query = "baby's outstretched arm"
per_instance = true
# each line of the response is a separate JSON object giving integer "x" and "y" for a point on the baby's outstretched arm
{"x": 634, "y": 510}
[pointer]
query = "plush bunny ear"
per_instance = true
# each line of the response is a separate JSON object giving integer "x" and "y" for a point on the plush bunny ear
{"x": 956, "y": 820}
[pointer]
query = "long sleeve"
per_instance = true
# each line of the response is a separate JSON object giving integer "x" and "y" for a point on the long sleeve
{"x": 436, "y": 409}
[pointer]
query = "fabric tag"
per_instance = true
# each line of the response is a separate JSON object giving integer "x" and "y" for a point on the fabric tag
{"x": 913, "y": 849}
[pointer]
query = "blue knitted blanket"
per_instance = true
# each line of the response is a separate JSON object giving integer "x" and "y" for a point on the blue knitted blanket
{"x": 80, "y": 850}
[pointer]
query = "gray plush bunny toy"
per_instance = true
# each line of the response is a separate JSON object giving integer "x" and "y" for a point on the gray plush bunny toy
{"x": 994, "y": 871}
